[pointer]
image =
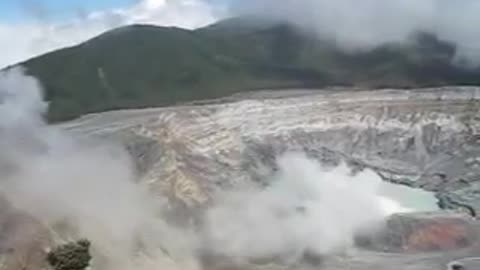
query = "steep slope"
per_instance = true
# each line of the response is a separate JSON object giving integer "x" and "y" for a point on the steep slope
{"x": 188, "y": 155}
{"x": 141, "y": 66}
{"x": 425, "y": 138}
{"x": 131, "y": 67}
{"x": 423, "y": 61}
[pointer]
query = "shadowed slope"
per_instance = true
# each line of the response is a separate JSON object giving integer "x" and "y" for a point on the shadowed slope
{"x": 142, "y": 66}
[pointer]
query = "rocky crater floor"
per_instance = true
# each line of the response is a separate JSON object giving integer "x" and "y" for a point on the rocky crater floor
{"x": 423, "y": 138}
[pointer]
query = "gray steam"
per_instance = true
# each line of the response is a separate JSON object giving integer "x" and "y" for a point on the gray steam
{"x": 87, "y": 188}
{"x": 362, "y": 25}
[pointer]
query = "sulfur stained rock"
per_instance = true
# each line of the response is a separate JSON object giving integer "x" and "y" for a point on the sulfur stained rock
{"x": 423, "y": 232}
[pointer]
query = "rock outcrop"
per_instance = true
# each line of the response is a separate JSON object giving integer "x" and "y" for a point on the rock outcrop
{"x": 417, "y": 233}
{"x": 427, "y": 138}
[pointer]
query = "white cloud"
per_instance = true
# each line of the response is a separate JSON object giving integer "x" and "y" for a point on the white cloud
{"x": 353, "y": 24}
{"x": 22, "y": 41}
{"x": 366, "y": 24}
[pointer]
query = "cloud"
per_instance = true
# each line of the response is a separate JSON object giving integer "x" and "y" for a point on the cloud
{"x": 20, "y": 41}
{"x": 300, "y": 212}
{"x": 353, "y": 24}
{"x": 362, "y": 25}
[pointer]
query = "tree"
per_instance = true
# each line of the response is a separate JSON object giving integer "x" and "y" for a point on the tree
{"x": 71, "y": 256}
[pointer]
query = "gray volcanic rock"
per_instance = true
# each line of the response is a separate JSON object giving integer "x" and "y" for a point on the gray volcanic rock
{"x": 423, "y": 232}
{"x": 428, "y": 138}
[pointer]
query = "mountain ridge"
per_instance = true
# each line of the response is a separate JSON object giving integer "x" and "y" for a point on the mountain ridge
{"x": 141, "y": 66}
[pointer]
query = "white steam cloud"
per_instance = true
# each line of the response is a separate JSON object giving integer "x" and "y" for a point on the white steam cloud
{"x": 362, "y": 25}
{"x": 307, "y": 209}
{"x": 89, "y": 188}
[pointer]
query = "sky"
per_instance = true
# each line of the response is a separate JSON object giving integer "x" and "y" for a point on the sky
{"x": 29, "y": 28}
{"x": 21, "y": 10}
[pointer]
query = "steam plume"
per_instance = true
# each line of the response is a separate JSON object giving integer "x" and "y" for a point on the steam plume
{"x": 88, "y": 186}
{"x": 307, "y": 209}
{"x": 362, "y": 25}
{"x": 84, "y": 184}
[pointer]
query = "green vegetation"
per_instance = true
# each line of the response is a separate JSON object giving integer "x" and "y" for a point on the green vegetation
{"x": 71, "y": 256}
{"x": 141, "y": 66}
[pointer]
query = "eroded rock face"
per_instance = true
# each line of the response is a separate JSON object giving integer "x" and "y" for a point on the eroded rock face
{"x": 414, "y": 233}
{"x": 427, "y": 138}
